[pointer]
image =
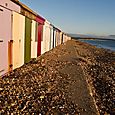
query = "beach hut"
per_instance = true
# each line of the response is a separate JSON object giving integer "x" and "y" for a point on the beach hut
{"x": 54, "y": 36}
{"x": 69, "y": 38}
{"x": 56, "y": 39}
{"x": 8, "y": 4}
{"x": 45, "y": 44}
{"x": 5, "y": 41}
{"x": 18, "y": 35}
{"x": 24, "y": 10}
{"x": 29, "y": 39}
{"x": 34, "y": 39}
{"x": 57, "y": 36}
{"x": 27, "y": 49}
{"x": 40, "y": 21}
{"x": 61, "y": 37}
{"x": 64, "y": 37}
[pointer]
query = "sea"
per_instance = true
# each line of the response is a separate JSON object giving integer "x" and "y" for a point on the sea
{"x": 101, "y": 43}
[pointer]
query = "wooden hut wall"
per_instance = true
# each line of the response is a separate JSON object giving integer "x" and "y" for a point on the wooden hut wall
{"x": 34, "y": 39}
{"x": 40, "y": 21}
{"x": 43, "y": 41}
{"x": 40, "y": 38}
{"x": 60, "y": 37}
{"x": 69, "y": 38}
{"x": 46, "y": 38}
{"x": 10, "y": 5}
{"x": 27, "y": 51}
{"x": 5, "y": 41}
{"x": 18, "y": 34}
{"x": 64, "y": 38}
{"x": 57, "y": 37}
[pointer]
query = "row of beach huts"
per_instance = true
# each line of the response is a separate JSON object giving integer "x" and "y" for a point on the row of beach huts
{"x": 24, "y": 35}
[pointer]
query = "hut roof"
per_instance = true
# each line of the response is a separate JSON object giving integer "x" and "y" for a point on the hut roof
{"x": 24, "y": 6}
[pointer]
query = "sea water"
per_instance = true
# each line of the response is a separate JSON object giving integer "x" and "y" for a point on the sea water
{"x": 107, "y": 44}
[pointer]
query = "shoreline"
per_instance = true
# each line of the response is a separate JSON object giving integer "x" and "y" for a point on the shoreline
{"x": 77, "y": 38}
{"x": 61, "y": 82}
{"x": 97, "y": 43}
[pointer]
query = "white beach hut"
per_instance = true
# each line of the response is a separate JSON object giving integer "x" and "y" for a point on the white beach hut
{"x": 8, "y": 4}
{"x": 6, "y": 41}
{"x": 34, "y": 39}
{"x": 45, "y": 44}
{"x": 18, "y": 36}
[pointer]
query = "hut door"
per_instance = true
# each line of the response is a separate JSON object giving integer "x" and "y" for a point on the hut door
{"x": 2, "y": 68}
{"x": 18, "y": 28}
{"x": 27, "y": 52}
{"x": 40, "y": 30}
{"x": 10, "y": 43}
{"x": 34, "y": 40}
{"x": 5, "y": 37}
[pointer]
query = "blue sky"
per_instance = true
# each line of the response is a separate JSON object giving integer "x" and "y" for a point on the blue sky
{"x": 78, "y": 16}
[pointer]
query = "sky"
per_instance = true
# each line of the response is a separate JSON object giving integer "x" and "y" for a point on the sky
{"x": 77, "y": 16}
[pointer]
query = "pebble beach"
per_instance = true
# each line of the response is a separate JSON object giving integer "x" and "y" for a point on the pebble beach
{"x": 74, "y": 78}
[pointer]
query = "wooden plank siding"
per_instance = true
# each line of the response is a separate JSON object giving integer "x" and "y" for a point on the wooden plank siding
{"x": 34, "y": 40}
{"x": 18, "y": 36}
{"x": 40, "y": 21}
{"x": 5, "y": 38}
{"x": 27, "y": 51}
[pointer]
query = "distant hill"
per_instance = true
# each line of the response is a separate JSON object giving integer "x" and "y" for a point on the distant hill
{"x": 113, "y": 36}
{"x": 80, "y": 36}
